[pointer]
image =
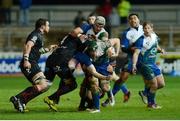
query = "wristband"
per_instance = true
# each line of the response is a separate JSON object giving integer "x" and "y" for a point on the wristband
{"x": 79, "y": 35}
{"x": 26, "y": 57}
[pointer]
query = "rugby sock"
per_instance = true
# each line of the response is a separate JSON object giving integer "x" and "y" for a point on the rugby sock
{"x": 63, "y": 89}
{"x": 28, "y": 94}
{"x": 96, "y": 98}
{"x": 82, "y": 102}
{"x": 124, "y": 89}
{"x": 116, "y": 87}
{"x": 83, "y": 97}
{"x": 151, "y": 97}
{"x": 109, "y": 93}
{"x": 146, "y": 90}
{"x": 90, "y": 102}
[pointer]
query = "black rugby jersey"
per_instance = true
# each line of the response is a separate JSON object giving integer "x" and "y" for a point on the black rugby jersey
{"x": 36, "y": 37}
{"x": 65, "y": 52}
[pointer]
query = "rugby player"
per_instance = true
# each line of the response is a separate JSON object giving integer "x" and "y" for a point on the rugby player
{"x": 33, "y": 48}
{"x": 129, "y": 37}
{"x": 144, "y": 58}
{"x": 57, "y": 64}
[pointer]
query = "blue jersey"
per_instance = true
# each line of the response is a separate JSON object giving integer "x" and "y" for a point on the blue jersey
{"x": 147, "y": 57}
{"x": 148, "y": 48}
{"x": 85, "y": 27}
{"x": 129, "y": 37}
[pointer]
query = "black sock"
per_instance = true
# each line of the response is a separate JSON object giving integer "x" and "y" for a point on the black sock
{"x": 28, "y": 94}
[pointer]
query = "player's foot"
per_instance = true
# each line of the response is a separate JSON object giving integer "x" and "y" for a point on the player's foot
{"x": 94, "y": 111}
{"x": 18, "y": 105}
{"x": 109, "y": 101}
{"x": 153, "y": 106}
{"x": 112, "y": 101}
{"x": 127, "y": 96}
{"x": 105, "y": 103}
{"x": 81, "y": 108}
{"x": 143, "y": 97}
{"x": 51, "y": 104}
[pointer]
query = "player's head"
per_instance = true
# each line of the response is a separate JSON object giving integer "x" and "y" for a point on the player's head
{"x": 99, "y": 23}
{"x": 91, "y": 49}
{"x": 91, "y": 19}
{"x": 147, "y": 28}
{"x": 43, "y": 25}
{"x": 133, "y": 20}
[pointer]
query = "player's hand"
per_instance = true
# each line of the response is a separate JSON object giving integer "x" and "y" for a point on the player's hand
{"x": 27, "y": 64}
{"x": 110, "y": 69}
{"x": 162, "y": 51}
{"x": 110, "y": 77}
{"x": 52, "y": 47}
{"x": 83, "y": 37}
{"x": 134, "y": 69}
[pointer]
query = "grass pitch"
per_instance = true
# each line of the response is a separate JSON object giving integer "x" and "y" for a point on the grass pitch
{"x": 167, "y": 97}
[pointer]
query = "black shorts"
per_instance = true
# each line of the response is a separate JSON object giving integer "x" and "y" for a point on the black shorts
{"x": 29, "y": 74}
{"x": 62, "y": 71}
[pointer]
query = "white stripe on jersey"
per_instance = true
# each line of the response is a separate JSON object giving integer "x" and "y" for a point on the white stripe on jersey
{"x": 133, "y": 34}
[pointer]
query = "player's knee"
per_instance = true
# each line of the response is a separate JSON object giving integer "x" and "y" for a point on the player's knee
{"x": 44, "y": 85}
{"x": 71, "y": 83}
{"x": 94, "y": 88}
{"x": 161, "y": 85}
{"x": 72, "y": 64}
{"x": 105, "y": 85}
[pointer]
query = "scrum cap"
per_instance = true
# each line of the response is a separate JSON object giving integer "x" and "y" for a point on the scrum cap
{"x": 100, "y": 20}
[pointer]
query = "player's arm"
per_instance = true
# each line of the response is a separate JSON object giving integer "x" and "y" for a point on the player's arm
{"x": 125, "y": 44}
{"x": 26, "y": 52}
{"x": 160, "y": 50}
{"x": 115, "y": 42}
{"x": 138, "y": 47}
{"x": 48, "y": 49}
{"x": 78, "y": 32}
{"x": 93, "y": 71}
{"x": 135, "y": 59}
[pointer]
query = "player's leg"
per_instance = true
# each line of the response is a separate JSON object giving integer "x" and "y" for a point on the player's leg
{"x": 40, "y": 85}
{"x": 118, "y": 84}
{"x": 143, "y": 93}
{"x": 160, "y": 81}
{"x": 95, "y": 95}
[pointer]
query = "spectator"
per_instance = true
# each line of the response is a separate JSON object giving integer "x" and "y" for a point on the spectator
{"x": 6, "y": 9}
{"x": 114, "y": 19}
{"x": 123, "y": 9}
{"x": 24, "y": 12}
{"x": 79, "y": 19}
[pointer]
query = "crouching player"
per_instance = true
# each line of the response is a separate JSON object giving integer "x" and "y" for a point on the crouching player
{"x": 144, "y": 59}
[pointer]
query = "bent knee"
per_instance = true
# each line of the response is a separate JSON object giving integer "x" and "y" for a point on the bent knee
{"x": 161, "y": 85}
{"x": 44, "y": 85}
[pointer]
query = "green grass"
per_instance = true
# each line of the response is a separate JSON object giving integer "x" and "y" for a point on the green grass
{"x": 168, "y": 97}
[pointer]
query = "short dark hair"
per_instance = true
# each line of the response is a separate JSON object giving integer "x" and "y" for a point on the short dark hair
{"x": 40, "y": 22}
{"x": 133, "y": 14}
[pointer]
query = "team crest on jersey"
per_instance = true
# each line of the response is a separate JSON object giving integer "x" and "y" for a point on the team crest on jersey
{"x": 34, "y": 38}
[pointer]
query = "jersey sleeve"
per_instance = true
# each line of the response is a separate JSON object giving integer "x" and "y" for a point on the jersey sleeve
{"x": 125, "y": 43}
{"x": 85, "y": 27}
{"x": 33, "y": 38}
{"x": 139, "y": 43}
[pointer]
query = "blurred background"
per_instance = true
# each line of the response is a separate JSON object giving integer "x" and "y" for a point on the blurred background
{"x": 17, "y": 18}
